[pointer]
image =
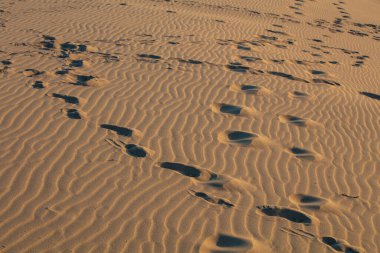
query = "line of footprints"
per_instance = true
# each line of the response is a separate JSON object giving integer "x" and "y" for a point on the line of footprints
{"x": 204, "y": 177}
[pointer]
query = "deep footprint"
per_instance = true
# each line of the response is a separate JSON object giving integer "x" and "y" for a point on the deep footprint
{"x": 285, "y": 213}
{"x": 304, "y": 154}
{"x": 212, "y": 200}
{"x": 242, "y": 138}
{"x": 225, "y": 243}
{"x": 130, "y": 149}
{"x": 73, "y": 114}
{"x": 68, "y": 99}
{"x": 252, "y": 89}
{"x": 370, "y": 95}
{"x": 338, "y": 245}
{"x": 38, "y": 85}
{"x": 294, "y": 120}
{"x": 298, "y": 94}
{"x": 135, "y": 151}
{"x": 119, "y": 130}
{"x": 190, "y": 171}
{"x": 232, "y": 109}
{"x": 307, "y": 201}
{"x": 323, "y": 81}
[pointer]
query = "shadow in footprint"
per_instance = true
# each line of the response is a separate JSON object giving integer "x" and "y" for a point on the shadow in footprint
{"x": 242, "y": 138}
{"x": 135, "y": 151}
{"x": 208, "y": 178}
{"x": 68, "y": 99}
{"x": 189, "y": 171}
{"x": 82, "y": 79}
{"x": 370, "y": 95}
{"x": 73, "y": 114}
{"x": 230, "y": 109}
{"x": 38, "y": 85}
{"x": 298, "y": 94}
{"x": 337, "y": 245}
{"x": 323, "y": 81}
{"x": 130, "y": 149}
{"x": 250, "y": 59}
{"x": 245, "y": 139}
{"x": 294, "y": 120}
{"x": 304, "y": 154}
{"x": 77, "y": 63}
{"x": 225, "y": 243}
{"x": 289, "y": 214}
{"x": 251, "y": 89}
{"x": 212, "y": 200}
{"x": 33, "y": 72}
{"x": 119, "y": 130}
{"x": 287, "y": 76}
{"x": 308, "y": 201}
{"x": 191, "y": 61}
{"x": 149, "y": 58}
{"x": 237, "y": 67}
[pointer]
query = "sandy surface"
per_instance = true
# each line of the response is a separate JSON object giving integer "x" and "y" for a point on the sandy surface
{"x": 190, "y": 126}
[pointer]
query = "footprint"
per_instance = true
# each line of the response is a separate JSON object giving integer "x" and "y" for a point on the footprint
{"x": 49, "y": 42}
{"x": 39, "y": 85}
{"x": 62, "y": 72}
{"x": 6, "y": 62}
{"x": 297, "y": 121}
{"x": 119, "y": 130}
{"x": 243, "y": 47}
{"x": 287, "y": 76}
{"x": 73, "y": 113}
{"x": 304, "y": 154}
{"x": 78, "y": 63}
{"x": 237, "y": 67}
{"x": 130, "y": 149}
{"x": 224, "y": 243}
{"x": 334, "y": 244}
{"x": 191, "y": 61}
{"x": 87, "y": 80}
{"x": 190, "y": 171}
{"x": 211, "y": 199}
{"x": 308, "y": 201}
{"x": 250, "y": 59}
{"x": 318, "y": 72}
{"x": 370, "y": 95}
{"x": 67, "y": 98}
{"x": 242, "y": 138}
{"x": 149, "y": 58}
{"x": 82, "y": 79}
{"x": 298, "y": 95}
{"x": 208, "y": 178}
{"x": 324, "y": 81}
{"x": 251, "y": 89}
{"x": 232, "y": 109}
{"x": 135, "y": 151}
{"x": 286, "y": 213}
{"x": 338, "y": 245}
{"x": 32, "y": 72}
{"x": 293, "y": 120}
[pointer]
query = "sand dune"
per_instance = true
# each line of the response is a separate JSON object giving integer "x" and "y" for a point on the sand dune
{"x": 189, "y": 126}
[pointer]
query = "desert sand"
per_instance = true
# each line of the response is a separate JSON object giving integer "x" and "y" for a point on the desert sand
{"x": 189, "y": 126}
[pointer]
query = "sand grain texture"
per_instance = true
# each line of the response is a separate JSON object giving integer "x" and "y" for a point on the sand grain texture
{"x": 189, "y": 126}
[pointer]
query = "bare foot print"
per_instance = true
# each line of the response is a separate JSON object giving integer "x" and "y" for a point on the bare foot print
{"x": 232, "y": 109}
{"x": 212, "y": 199}
{"x": 286, "y": 213}
{"x": 225, "y": 243}
{"x": 304, "y": 154}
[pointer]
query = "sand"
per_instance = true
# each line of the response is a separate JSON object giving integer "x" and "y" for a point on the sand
{"x": 189, "y": 126}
